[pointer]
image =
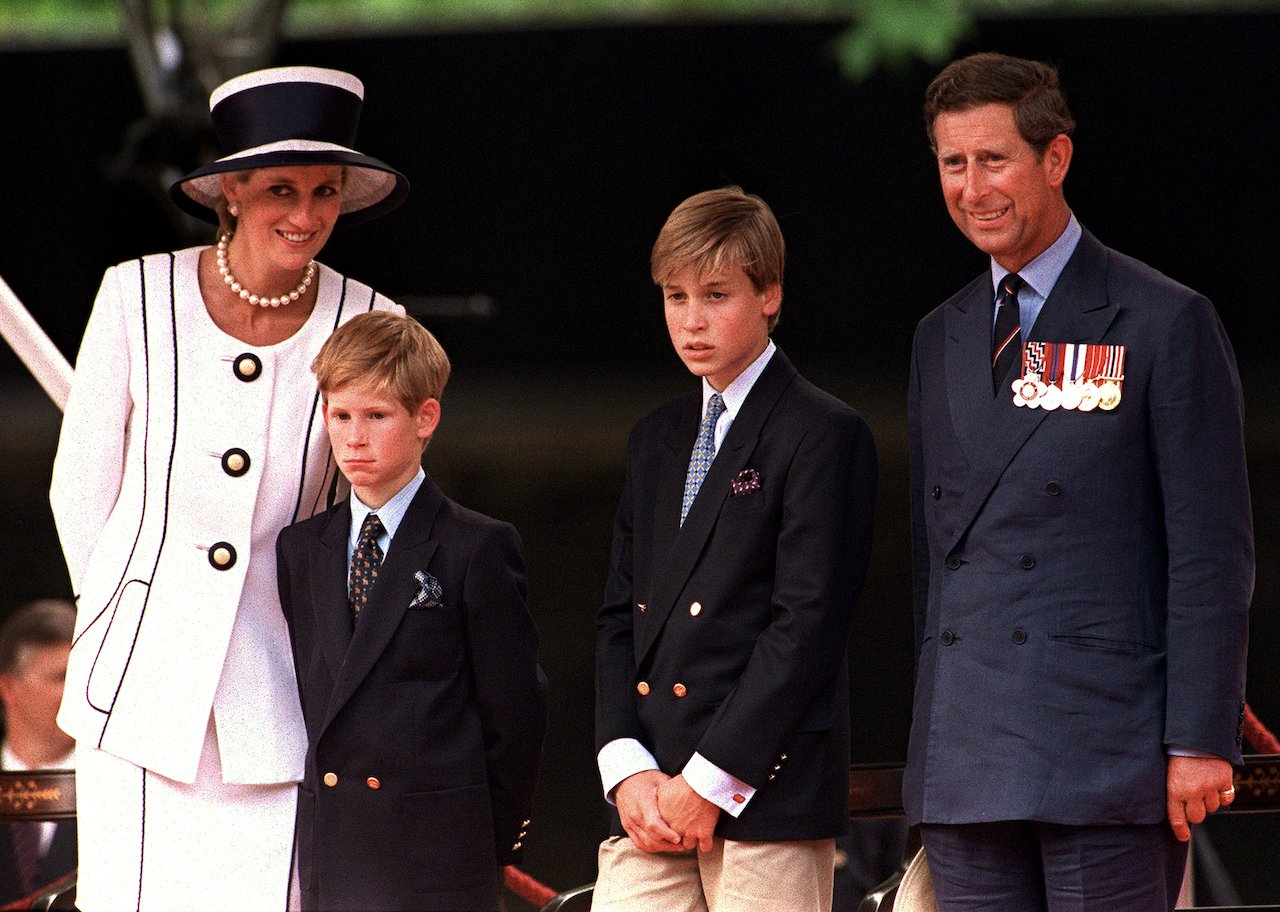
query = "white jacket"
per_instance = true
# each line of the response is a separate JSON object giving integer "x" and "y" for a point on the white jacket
{"x": 150, "y": 510}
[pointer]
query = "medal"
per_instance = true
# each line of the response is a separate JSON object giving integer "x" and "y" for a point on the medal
{"x": 1109, "y": 395}
{"x": 1070, "y": 395}
{"x": 1051, "y": 398}
{"x": 1026, "y": 390}
{"x": 1088, "y": 397}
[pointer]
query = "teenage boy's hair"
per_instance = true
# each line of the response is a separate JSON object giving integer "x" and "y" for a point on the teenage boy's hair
{"x": 389, "y": 353}
{"x": 719, "y": 228}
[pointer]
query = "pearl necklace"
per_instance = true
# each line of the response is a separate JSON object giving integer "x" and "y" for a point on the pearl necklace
{"x": 260, "y": 300}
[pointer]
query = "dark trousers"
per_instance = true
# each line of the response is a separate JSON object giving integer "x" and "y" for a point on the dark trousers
{"x": 1043, "y": 867}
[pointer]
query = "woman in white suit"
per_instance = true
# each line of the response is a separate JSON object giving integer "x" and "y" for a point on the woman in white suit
{"x": 192, "y": 436}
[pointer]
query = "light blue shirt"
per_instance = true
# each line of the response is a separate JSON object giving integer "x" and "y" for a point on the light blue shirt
{"x": 1041, "y": 274}
{"x": 736, "y": 392}
{"x": 390, "y": 513}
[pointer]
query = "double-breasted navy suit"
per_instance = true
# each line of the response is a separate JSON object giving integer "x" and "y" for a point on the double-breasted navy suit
{"x": 727, "y": 635}
{"x": 1082, "y": 579}
{"x": 425, "y": 725}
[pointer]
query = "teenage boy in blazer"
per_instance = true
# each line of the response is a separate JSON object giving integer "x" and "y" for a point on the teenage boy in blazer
{"x": 739, "y": 549}
{"x": 416, "y": 653}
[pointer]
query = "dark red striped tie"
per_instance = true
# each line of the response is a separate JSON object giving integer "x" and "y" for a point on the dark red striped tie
{"x": 1006, "y": 341}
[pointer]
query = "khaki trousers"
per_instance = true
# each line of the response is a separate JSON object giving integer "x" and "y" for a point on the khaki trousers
{"x": 733, "y": 877}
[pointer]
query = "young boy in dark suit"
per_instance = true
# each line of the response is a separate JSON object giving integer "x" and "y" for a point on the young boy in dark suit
{"x": 739, "y": 549}
{"x": 415, "y": 650}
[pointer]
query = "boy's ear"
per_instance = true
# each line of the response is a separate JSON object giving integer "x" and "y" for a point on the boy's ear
{"x": 428, "y": 417}
{"x": 772, "y": 299}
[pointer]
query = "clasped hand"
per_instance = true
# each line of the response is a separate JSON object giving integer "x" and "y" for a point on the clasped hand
{"x": 663, "y": 813}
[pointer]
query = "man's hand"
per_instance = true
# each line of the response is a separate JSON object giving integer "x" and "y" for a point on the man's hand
{"x": 688, "y": 812}
{"x": 1196, "y": 787}
{"x": 637, "y": 801}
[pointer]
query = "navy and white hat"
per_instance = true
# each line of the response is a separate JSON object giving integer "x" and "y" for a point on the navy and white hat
{"x": 292, "y": 116}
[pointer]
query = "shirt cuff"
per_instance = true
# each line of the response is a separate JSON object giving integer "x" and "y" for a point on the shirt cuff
{"x": 1177, "y": 750}
{"x": 619, "y": 759}
{"x": 726, "y": 792}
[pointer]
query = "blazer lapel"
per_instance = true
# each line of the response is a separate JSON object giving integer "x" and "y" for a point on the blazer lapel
{"x": 673, "y": 467}
{"x": 331, "y": 608}
{"x": 1078, "y": 310}
{"x": 678, "y": 561}
{"x": 411, "y": 549}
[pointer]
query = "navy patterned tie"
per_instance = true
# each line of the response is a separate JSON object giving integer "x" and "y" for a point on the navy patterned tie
{"x": 365, "y": 562}
{"x": 1005, "y": 342}
{"x": 704, "y": 451}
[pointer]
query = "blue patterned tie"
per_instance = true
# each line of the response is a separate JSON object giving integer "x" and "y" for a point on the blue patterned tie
{"x": 704, "y": 451}
{"x": 365, "y": 562}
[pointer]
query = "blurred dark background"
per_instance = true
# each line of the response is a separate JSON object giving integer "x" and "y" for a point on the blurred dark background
{"x": 544, "y": 162}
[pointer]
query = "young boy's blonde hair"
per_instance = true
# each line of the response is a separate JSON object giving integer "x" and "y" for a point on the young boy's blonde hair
{"x": 719, "y": 228}
{"x": 386, "y": 352}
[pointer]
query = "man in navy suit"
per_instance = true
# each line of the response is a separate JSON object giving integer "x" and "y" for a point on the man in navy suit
{"x": 1083, "y": 553}
{"x": 739, "y": 549}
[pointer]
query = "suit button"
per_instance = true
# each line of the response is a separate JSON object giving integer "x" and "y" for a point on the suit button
{"x": 1027, "y": 561}
{"x": 695, "y": 609}
{"x": 953, "y": 561}
{"x": 947, "y": 638}
{"x": 222, "y": 556}
{"x": 642, "y": 607}
{"x": 771, "y": 777}
{"x": 643, "y": 688}
{"x": 782, "y": 757}
{"x": 1019, "y": 636}
{"x": 525, "y": 823}
{"x": 516, "y": 847}
{"x": 247, "y": 367}
{"x": 331, "y": 779}
{"x": 373, "y": 783}
{"x": 235, "y": 462}
{"x": 937, "y": 493}
{"x": 1053, "y": 489}
{"x": 679, "y": 690}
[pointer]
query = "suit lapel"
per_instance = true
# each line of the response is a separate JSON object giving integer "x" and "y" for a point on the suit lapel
{"x": 332, "y": 611}
{"x": 673, "y": 467}
{"x": 677, "y": 562}
{"x": 1078, "y": 310}
{"x": 411, "y": 549}
{"x": 968, "y": 366}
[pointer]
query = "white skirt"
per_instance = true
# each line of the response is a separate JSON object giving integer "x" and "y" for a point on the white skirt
{"x": 155, "y": 845}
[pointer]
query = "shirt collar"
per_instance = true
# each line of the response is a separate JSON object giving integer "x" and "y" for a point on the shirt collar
{"x": 1042, "y": 273}
{"x": 12, "y": 761}
{"x": 736, "y": 392}
{"x": 391, "y": 512}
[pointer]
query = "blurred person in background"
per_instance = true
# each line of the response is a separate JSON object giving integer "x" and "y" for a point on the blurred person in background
{"x": 34, "y": 644}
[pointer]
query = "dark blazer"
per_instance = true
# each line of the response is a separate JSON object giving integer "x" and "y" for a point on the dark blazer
{"x": 1082, "y": 579}
{"x": 425, "y": 727}
{"x": 747, "y": 606}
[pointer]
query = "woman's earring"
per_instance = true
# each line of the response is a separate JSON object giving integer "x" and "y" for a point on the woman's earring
{"x": 234, "y": 210}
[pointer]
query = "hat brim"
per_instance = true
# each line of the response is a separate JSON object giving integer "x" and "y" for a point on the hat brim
{"x": 370, "y": 188}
